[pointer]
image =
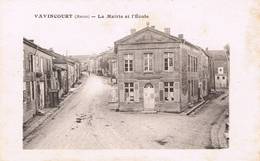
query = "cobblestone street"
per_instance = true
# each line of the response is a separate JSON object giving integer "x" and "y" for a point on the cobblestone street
{"x": 86, "y": 121}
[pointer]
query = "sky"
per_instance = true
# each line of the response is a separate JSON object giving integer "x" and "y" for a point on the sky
{"x": 204, "y": 23}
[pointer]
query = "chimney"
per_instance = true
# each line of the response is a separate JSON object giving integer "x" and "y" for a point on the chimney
{"x": 51, "y": 49}
{"x": 167, "y": 30}
{"x": 180, "y": 36}
{"x": 132, "y": 31}
{"x": 153, "y": 27}
{"x": 147, "y": 24}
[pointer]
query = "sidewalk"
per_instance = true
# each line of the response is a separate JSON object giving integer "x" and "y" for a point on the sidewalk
{"x": 30, "y": 126}
{"x": 218, "y": 130}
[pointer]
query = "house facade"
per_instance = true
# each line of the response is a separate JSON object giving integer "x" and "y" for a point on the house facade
{"x": 38, "y": 79}
{"x": 107, "y": 63}
{"x": 159, "y": 72}
{"x": 60, "y": 73}
{"x": 220, "y": 69}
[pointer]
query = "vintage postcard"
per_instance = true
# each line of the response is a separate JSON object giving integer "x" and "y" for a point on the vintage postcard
{"x": 130, "y": 80}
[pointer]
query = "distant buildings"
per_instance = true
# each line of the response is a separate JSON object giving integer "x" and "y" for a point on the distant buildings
{"x": 220, "y": 68}
{"x": 107, "y": 63}
{"x": 154, "y": 70}
{"x": 104, "y": 63}
{"x": 47, "y": 76}
{"x": 160, "y": 72}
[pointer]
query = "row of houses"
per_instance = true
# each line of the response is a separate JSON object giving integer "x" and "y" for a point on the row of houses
{"x": 104, "y": 63}
{"x": 156, "y": 71}
{"x": 47, "y": 77}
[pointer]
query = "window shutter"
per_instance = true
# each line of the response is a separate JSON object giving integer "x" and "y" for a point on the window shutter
{"x": 136, "y": 92}
{"x": 175, "y": 61}
{"x": 121, "y": 92}
{"x": 26, "y": 62}
{"x": 161, "y": 91}
{"x": 196, "y": 86}
{"x": 176, "y": 92}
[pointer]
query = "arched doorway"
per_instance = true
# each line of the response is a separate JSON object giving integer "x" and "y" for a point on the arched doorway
{"x": 149, "y": 97}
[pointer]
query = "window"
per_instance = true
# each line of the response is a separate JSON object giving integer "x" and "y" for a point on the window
{"x": 148, "y": 62}
{"x": 192, "y": 87}
{"x": 192, "y": 64}
{"x": 188, "y": 63}
{"x": 196, "y": 65}
{"x": 168, "y": 91}
{"x": 41, "y": 67}
{"x": 129, "y": 92}
{"x": 32, "y": 90}
{"x": 218, "y": 77}
{"x": 31, "y": 63}
{"x": 220, "y": 70}
{"x": 168, "y": 61}
{"x": 128, "y": 63}
{"x": 223, "y": 78}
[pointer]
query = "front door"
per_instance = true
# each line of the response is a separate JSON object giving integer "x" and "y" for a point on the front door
{"x": 149, "y": 97}
{"x": 41, "y": 95}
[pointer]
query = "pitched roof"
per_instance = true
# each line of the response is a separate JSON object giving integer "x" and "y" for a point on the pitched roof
{"x": 107, "y": 54}
{"x": 147, "y": 29}
{"x": 152, "y": 29}
{"x": 217, "y": 54}
{"x": 37, "y": 47}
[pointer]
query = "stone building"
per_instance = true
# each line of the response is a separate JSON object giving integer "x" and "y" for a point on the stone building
{"x": 220, "y": 69}
{"x": 159, "y": 72}
{"x": 38, "y": 79}
{"x": 107, "y": 63}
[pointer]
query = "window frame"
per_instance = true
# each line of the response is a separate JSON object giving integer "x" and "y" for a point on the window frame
{"x": 128, "y": 87}
{"x": 169, "y": 86}
{"x": 220, "y": 70}
{"x": 128, "y": 63}
{"x": 170, "y": 55}
{"x": 149, "y": 59}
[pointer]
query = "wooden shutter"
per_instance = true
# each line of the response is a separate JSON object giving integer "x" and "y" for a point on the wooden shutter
{"x": 136, "y": 92}
{"x": 161, "y": 93}
{"x": 121, "y": 92}
{"x": 176, "y": 62}
{"x": 196, "y": 86}
{"x": 176, "y": 92}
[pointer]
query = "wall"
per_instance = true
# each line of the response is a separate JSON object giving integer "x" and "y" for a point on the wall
{"x": 155, "y": 77}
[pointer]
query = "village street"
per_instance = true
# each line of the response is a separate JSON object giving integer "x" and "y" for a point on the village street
{"x": 87, "y": 122}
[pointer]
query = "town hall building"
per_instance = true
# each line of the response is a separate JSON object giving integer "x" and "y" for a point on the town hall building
{"x": 159, "y": 72}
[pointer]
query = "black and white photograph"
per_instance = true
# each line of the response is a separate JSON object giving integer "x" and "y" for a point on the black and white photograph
{"x": 150, "y": 90}
{"x": 147, "y": 77}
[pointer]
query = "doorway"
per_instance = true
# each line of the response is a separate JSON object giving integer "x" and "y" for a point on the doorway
{"x": 149, "y": 97}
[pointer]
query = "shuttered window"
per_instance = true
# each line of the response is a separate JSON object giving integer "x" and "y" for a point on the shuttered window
{"x": 31, "y": 63}
{"x": 192, "y": 64}
{"x": 136, "y": 92}
{"x": 188, "y": 63}
{"x": 32, "y": 90}
{"x": 161, "y": 91}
